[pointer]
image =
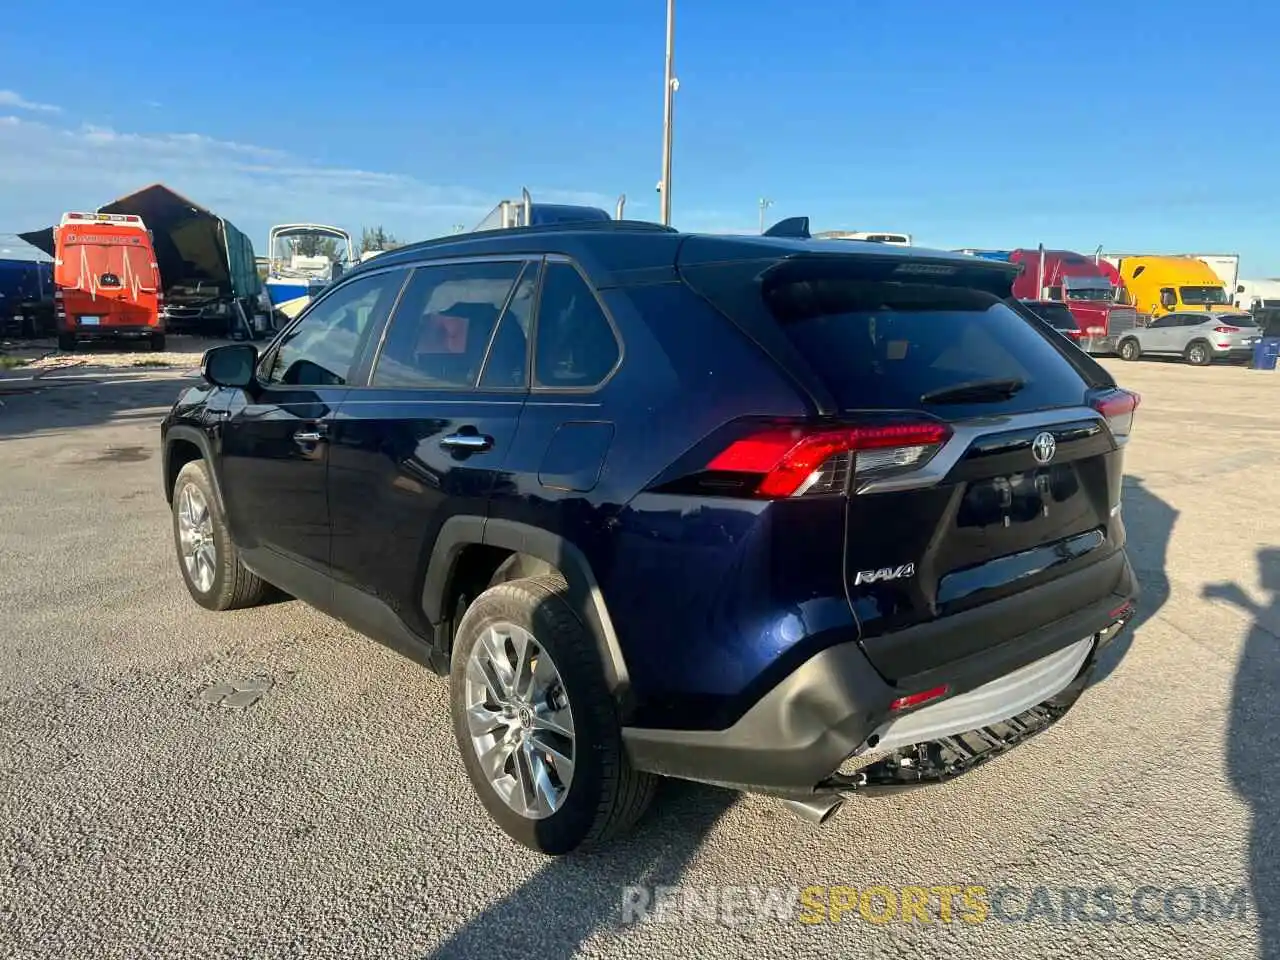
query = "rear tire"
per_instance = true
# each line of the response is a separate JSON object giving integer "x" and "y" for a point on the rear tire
{"x": 207, "y": 557}
{"x": 67, "y": 342}
{"x": 1198, "y": 354}
{"x": 157, "y": 343}
{"x": 1129, "y": 349}
{"x": 583, "y": 792}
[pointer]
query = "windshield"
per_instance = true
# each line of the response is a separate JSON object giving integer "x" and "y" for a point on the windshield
{"x": 1098, "y": 294}
{"x": 309, "y": 250}
{"x": 1202, "y": 295}
{"x": 1088, "y": 288}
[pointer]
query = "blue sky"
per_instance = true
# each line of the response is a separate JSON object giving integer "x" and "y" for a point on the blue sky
{"x": 1141, "y": 126}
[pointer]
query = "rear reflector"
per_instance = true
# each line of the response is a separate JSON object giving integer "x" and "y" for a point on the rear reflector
{"x": 916, "y": 699}
{"x": 1096, "y": 331}
{"x": 796, "y": 461}
{"x": 1118, "y": 407}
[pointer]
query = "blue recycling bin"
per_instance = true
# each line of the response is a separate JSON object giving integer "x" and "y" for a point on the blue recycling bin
{"x": 1265, "y": 353}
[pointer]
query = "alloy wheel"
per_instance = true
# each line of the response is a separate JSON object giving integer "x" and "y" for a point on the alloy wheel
{"x": 519, "y": 720}
{"x": 195, "y": 536}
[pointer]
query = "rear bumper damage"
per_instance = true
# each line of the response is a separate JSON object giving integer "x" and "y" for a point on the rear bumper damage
{"x": 830, "y": 726}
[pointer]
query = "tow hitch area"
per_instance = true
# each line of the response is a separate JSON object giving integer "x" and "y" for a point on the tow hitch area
{"x": 951, "y": 756}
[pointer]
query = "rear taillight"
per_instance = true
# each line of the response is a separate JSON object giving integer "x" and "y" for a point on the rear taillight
{"x": 916, "y": 699}
{"x": 1226, "y": 329}
{"x": 1096, "y": 331}
{"x": 800, "y": 461}
{"x": 1118, "y": 407}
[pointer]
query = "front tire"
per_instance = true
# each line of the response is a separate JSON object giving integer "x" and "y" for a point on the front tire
{"x": 536, "y": 725}
{"x": 67, "y": 343}
{"x": 1198, "y": 354}
{"x": 1129, "y": 350}
{"x": 157, "y": 343}
{"x": 207, "y": 558}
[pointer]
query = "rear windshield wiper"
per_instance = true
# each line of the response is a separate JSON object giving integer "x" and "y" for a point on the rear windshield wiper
{"x": 974, "y": 391}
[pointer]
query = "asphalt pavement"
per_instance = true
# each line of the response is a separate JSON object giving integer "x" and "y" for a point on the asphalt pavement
{"x": 179, "y": 783}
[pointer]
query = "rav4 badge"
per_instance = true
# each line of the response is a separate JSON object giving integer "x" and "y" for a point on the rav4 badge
{"x": 885, "y": 573}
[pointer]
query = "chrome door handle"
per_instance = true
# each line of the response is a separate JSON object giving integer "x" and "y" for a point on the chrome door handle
{"x": 308, "y": 436}
{"x": 471, "y": 442}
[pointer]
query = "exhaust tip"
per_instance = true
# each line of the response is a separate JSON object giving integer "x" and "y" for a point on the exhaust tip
{"x": 816, "y": 810}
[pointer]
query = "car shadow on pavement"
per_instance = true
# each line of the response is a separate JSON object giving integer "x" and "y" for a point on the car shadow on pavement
{"x": 1149, "y": 523}
{"x": 49, "y": 404}
{"x": 570, "y": 899}
{"x": 1253, "y": 741}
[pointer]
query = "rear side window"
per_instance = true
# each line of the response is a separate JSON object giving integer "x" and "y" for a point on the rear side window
{"x": 576, "y": 346}
{"x": 904, "y": 346}
{"x": 442, "y": 326}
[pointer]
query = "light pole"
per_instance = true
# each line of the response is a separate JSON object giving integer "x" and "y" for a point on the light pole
{"x": 765, "y": 204}
{"x": 670, "y": 86}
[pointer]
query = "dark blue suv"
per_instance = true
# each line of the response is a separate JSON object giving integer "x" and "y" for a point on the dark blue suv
{"x": 794, "y": 516}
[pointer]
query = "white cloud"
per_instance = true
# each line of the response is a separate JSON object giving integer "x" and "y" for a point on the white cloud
{"x": 47, "y": 169}
{"x": 16, "y": 101}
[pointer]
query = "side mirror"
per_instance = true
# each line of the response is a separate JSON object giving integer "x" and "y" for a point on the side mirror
{"x": 231, "y": 365}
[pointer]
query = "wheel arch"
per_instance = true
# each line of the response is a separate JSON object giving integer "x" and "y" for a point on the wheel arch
{"x": 183, "y": 445}
{"x": 511, "y": 550}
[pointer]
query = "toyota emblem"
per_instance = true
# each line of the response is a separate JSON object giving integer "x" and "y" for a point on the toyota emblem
{"x": 1043, "y": 447}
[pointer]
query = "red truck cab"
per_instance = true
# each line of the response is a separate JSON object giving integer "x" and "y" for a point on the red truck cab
{"x": 1088, "y": 288}
{"x": 107, "y": 283}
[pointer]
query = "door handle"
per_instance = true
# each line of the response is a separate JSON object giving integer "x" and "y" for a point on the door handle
{"x": 470, "y": 442}
{"x": 308, "y": 436}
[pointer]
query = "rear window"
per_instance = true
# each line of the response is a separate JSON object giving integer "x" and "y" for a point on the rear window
{"x": 889, "y": 346}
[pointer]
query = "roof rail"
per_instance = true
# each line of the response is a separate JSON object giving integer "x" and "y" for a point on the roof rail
{"x": 795, "y": 227}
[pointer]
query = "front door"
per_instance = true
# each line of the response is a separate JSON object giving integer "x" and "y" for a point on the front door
{"x": 428, "y": 437}
{"x": 274, "y": 437}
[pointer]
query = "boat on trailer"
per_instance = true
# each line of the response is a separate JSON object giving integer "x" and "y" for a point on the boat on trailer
{"x": 303, "y": 259}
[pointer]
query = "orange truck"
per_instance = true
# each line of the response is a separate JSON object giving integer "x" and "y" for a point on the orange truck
{"x": 107, "y": 284}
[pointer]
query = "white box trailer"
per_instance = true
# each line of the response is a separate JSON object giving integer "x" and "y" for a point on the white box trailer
{"x": 1225, "y": 265}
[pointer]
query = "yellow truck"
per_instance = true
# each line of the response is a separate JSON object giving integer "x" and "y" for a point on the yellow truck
{"x": 1157, "y": 285}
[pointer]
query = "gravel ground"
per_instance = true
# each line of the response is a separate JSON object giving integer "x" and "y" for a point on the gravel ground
{"x": 142, "y": 816}
{"x": 41, "y": 357}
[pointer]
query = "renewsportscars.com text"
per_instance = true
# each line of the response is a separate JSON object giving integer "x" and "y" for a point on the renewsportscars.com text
{"x": 934, "y": 903}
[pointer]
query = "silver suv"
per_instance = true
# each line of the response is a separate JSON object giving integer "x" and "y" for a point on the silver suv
{"x": 1199, "y": 338}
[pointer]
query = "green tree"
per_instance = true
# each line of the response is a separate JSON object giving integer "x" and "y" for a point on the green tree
{"x": 311, "y": 245}
{"x": 377, "y": 239}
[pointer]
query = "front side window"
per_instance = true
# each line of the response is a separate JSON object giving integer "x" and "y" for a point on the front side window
{"x": 323, "y": 346}
{"x": 576, "y": 345}
{"x": 441, "y": 330}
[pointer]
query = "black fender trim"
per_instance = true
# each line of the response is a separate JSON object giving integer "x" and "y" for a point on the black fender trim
{"x": 584, "y": 594}
{"x": 201, "y": 440}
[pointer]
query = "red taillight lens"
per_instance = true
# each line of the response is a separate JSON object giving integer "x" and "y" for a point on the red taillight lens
{"x": 1096, "y": 331}
{"x": 1118, "y": 407}
{"x": 795, "y": 461}
{"x": 1226, "y": 329}
{"x": 916, "y": 699}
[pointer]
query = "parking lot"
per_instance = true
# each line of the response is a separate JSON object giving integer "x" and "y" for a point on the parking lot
{"x": 266, "y": 783}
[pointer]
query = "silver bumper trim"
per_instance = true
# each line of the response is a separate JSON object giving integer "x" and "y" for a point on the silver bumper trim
{"x": 990, "y": 703}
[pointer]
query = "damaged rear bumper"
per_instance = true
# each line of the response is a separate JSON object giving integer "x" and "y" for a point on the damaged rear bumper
{"x": 830, "y": 725}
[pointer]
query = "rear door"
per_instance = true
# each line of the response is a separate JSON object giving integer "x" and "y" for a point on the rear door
{"x": 1005, "y": 478}
{"x": 426, "y": 436}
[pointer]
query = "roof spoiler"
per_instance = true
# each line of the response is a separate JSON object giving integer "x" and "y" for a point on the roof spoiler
{"x": 794, "y": 227}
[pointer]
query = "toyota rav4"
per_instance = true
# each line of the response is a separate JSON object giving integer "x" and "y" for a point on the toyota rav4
{"x": 792, "y": 516}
